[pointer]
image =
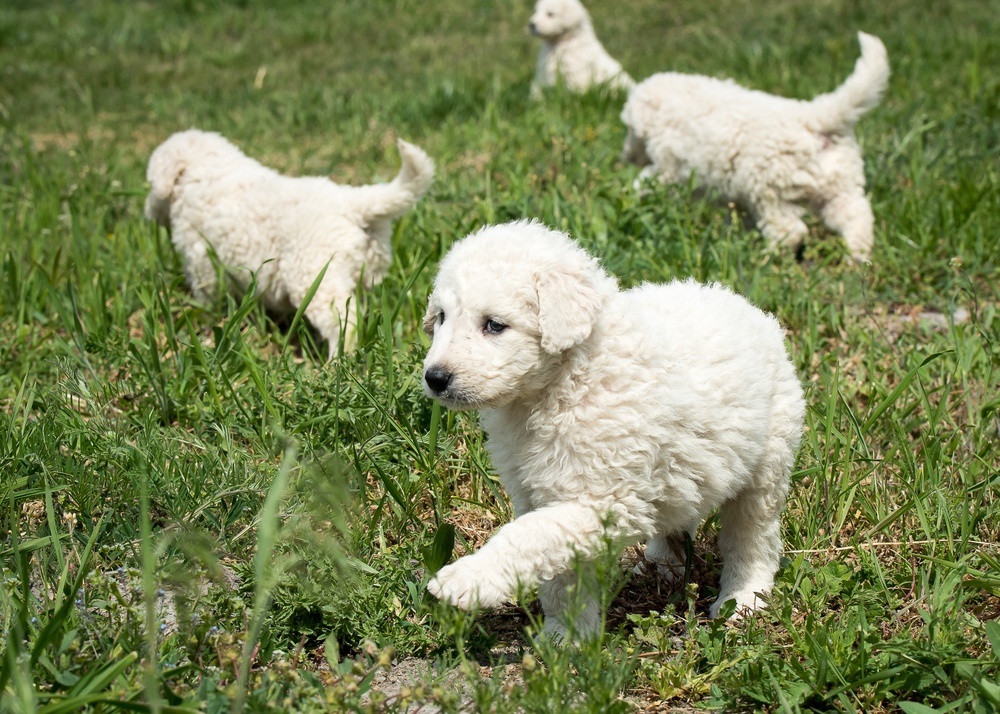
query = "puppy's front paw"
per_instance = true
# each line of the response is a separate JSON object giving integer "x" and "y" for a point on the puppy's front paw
{"x": 467, "y": 585}
{"x": 746, "y": 604}
{"x": 641, "y": 187}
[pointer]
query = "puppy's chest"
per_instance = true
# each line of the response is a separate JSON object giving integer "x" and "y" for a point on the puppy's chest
{"x": 541, "y": 465}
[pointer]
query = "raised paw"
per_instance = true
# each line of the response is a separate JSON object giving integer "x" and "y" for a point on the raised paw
{"x": 467, "y": 585}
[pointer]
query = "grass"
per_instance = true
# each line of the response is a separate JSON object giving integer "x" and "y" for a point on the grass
{"x": 200, "y": 513}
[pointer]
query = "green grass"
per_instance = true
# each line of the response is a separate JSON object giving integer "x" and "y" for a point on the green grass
{"x": 199, "y": 511}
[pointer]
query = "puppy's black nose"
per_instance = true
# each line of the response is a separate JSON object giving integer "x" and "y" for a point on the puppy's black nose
{"x": 531, "y": 27}
{"x": 437, "y": 379}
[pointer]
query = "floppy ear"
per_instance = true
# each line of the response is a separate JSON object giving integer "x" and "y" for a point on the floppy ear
{"x": 568, "y": 306}
{"x": 166, "y": 166}
{"x": 640, "y": 110}
{"x": 638, "y": 115}
{"x": 573, "y": 14}
{"x": 430, "y": 317}
{"x": 632, "y": 116}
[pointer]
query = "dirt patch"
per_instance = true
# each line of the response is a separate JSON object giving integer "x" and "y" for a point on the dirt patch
{"x": 895, "y": 320}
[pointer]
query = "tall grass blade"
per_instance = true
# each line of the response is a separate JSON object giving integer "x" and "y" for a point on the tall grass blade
{"x": 894, "y": 395}
{"x": 304, "y": 305}
{"x": 266, "y": 571}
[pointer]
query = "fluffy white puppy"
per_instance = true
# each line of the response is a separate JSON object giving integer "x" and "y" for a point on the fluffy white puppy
{"x": 640, "y": 411}
{"x": 215, "y": 199}
{"x": 774, "y": 156}
{"x": 571, "y": 50}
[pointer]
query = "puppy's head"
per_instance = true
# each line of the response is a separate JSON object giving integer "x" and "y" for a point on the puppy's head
{"x": 171, "y": 159}
{"x": 166, "y": 167}
{"x": 637, "y": 115}
{"x": 554, "y": 18}
{"x": 509, "y": 301}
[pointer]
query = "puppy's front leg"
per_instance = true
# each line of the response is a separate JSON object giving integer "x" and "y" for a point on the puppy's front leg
{"x": 536, "y": 546}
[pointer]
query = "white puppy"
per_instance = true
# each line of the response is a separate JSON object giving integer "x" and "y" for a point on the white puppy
{"x": 775, "y": 156}
{"x": 645, "y": 409}
{"x": 214, "y": 198}
{"x": 571, "y": 50}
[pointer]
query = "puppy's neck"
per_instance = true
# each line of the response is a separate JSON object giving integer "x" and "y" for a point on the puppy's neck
{"x": 540, "y": 387}
{"x": 583, "y": 31}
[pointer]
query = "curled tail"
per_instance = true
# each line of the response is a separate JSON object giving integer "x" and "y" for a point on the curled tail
{"x": 391, "y": 200}
{"x": 838, "y": 111}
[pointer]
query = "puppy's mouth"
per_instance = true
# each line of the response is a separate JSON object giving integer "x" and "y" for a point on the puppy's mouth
{"x": 453, "y": 399}
{"x": 440, "y": 384}
{"x": 536, "y": 31}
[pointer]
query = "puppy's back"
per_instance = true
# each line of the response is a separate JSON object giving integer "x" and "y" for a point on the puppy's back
{"x": 703, "y": 327}
{"x": 711, "y": 305}
{"x": 669, "y": 95}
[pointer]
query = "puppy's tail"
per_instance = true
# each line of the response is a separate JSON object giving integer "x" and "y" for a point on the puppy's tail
{"x": 391, "y": 200}
{"x": 838, "y": 111}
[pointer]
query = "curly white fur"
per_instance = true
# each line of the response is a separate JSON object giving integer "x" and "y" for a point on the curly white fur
{"x": 571, "y": 50}
{"x": 773, "y": 155}
{"x": 214, "y": 198}
{"x": 646, "y": 409}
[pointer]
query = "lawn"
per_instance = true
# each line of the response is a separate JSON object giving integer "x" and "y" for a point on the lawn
{"x": 199, "y": 512}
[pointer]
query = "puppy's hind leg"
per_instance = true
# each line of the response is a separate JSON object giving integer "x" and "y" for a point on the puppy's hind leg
{"x": 750, "y": 539}
{"x": 850, "y": 214}
{"x": 332, "y": 312}
{"x": 750, "y": 542}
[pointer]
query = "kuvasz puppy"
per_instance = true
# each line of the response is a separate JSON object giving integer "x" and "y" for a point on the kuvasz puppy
{"x": 774, "y": 156}
{"x": 215, "y": 199}
{"x": 638, "y": 411}
{"x": 571, "y": 50}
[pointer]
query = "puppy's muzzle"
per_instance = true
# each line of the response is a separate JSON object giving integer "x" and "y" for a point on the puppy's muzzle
{"x": 438, "y": 379}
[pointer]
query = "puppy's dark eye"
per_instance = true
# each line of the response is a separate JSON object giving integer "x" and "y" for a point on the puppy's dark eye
{"x": 494, "y": 327}
{"x": 550, "y": 14}
{"x": 440, "y": 318}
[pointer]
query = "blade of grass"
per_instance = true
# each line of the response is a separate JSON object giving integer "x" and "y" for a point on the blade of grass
{"x": 148, "y": 561}
{"x": 266, "y": 571}
{"x": 894, "y": 395}
{"x": 310, "y": 294}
